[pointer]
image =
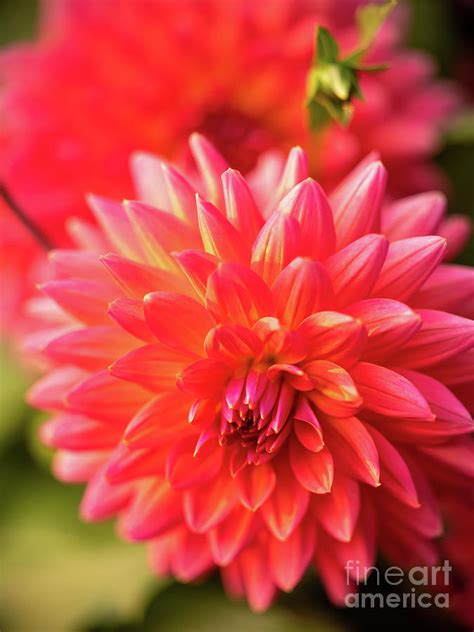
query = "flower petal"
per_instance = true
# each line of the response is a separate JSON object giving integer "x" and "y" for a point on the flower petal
{"x": 335, "y": 392}
{"x": 255, "y": 484}
{"x": 218, "y": 235}
{"x": 338, "y": 511}
{"x": 313, "y": 470}
{"x": 241, "y": 209}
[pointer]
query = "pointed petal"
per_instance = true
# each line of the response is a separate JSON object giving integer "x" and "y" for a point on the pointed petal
{"x": 450, "y": 289}
{"x": 241, "y": 209}
{"x": 307, "y": 203}
{"x": 154, "y": 367}
{"x": 333, "y": 336}
{"x": 307, "y": 427}
{"x": 335, "y": 392}
{"x": 255, "y": 484}
{"x": 204, "y": 378}
{"x": 285, "y": 508}
{"x": 388, "y": 393}
{"x": 233, "y": 344}
{"x": 288, "y": 560}
{"x": 182, "y": 197}
{"x": 301, "y": 289}
{"x": 355, "y": 269}
{"x": 103, "y": 396}
{"x": 237, "y": 295}
{"x": 48, "y": 392}
{"x": 178, "y": 321}
{"x": 207, "y": 505}
{"x": 159, "y": 233}
{"x": 256, "y": 580}
{"x": 414, "y": 216}
{"x": 148, "y": 179}
{"x": 116, "y": 225}
{"x": 353, "y": 449}
{"x": 90, "y": 348}
{"x": 77, "y": 432}
{"x": 338, "y": 511}
{"x": 227, "y": 538}
{"x": 440, "y": 337}
{"x": 276, "y": 245}
{"x": 395, "y": 476}
{"x": 211, "y": 166}
{"x": 103, "y": 500}
{"x": 218, "y": 235}
{"x": 197, "y": 266}
{"x": 185, "y": 469}
{"x": 137, "y": 279}
{"x": 408, "y": 264}
{"x": 456, "y": 230}
{"x": 155, "y": 509}
{"x": 357, "y": 207}
{"x": 313, "y": 470}
{"x": 295, "y": 170}
{"x": 389, "y": 325}
{"x": 129, "y": 314}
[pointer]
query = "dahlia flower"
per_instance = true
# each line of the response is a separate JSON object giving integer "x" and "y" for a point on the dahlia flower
{"x": 258, "y": 377}
{"x": 98, "y": 83}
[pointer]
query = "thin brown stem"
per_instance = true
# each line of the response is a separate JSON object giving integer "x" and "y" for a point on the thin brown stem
{"x": 28, "y": 223}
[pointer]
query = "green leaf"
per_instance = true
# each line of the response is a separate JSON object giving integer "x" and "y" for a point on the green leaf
{"x": 327, "y": 49}
{"x": 370, "y": 18}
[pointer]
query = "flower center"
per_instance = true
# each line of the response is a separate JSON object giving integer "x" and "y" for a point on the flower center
{"x": 240, "y": 138}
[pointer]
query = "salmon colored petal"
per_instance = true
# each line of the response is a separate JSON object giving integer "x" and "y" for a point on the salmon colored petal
{"x": 125, "y": 465}
{"x": 105, "y": 397}
{"x": 78, "y": 467}
{"x": 414, "y": 216}
{"x": 355, "y": 269}
{"x": 389, "y": 325}
{"x": 301, "y": 289}
{"x": 204, "y": 378}
{"x": 449, "y": 289}
{"x": 77, "y": 432}
{"x": 285, "y": 508}
{"x": 335, "y": 392}
{"x": 211, "y": 166}
{"x": 333, "y": 336}
{"x": 179, "y": 322}
{"x": 206, "y": 506}
{"x": 306, "y": 426}
{"x": 219, "y": 237}
{"x": 182, "y": 198}
{"x": 129, "y": 314}
{"x": 113, "y": 220}
{"x": 197, "y": 266}
{"x": 338, "y": 511}
{"x": 160, "y": 233}
{"x": 103, "y": 500}
{"x": 155, "y": 509}
{"x": 152, "y": 366}
{"x": 137, "y": 279}
{"x": 408, "y": 264}
{"x": 237, "y": 295}
{"x": 148, "y": 179}
{"x": 296, "y": 170}
{"x": 353, "y": 449}
{"x": 276, "y": 245}
{"x": 357, "y": 206}
{"x": 255, "y": 484}
{"x": 288, "y": 560}
{"x": 49, "y": 391}
{"x": 395, "y": 475}
{"x": 256, "y": 580}
{"x": 456, "y": 230}
{"x": 86, "y": 300}
{"x": 228, "y": 538}
{"x": 163, "y": 418}
{"x": 388, "y": 393}
{"x": 91, "y": 348}
{"x": 185, "y": 469}
{"x": 241, "y": 209}
{"x": 307, "y": 203}
{"x": 313, "y": 470}
{"x": 233, "y": 344}
{"x": 441, "y": 400}
{"x": 76, "y": 263}
{"x": 440, "y": 337}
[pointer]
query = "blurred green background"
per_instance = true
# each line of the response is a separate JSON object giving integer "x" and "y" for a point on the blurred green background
{"x": 59, "y": 575}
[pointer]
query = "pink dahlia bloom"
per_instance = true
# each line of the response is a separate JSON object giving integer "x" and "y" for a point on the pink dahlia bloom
{"x": 260, "y": 378}
{"x": 104, "y": 79}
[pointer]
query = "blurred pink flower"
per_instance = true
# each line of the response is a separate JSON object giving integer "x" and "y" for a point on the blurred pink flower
{"x": 104, "y": 79}
{"x": 260, "y": 378}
